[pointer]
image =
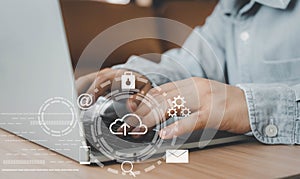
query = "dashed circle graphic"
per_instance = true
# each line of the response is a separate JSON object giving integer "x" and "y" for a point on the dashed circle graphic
{"x": 65, "y": 122}
{"x": 100, "y": 137}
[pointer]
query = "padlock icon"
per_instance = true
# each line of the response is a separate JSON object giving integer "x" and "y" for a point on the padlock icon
{"x": 127, "y": 81}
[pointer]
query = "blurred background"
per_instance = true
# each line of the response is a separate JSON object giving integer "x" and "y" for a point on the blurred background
{"x": 85, "y": 19}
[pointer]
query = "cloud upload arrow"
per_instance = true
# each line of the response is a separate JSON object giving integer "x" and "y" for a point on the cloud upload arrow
{"x": 125, "y": 126}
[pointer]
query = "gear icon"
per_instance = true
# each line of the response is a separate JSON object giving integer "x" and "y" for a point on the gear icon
{"x": 178, "y": 102}
{"x": 172, "y": 112}
{"x": 185, "y": 112}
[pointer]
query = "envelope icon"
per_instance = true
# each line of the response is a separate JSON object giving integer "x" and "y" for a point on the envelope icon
{"x": 177, "y": 156}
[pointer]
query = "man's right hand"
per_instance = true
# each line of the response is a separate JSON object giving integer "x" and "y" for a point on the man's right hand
{"x": 90, "y": 82}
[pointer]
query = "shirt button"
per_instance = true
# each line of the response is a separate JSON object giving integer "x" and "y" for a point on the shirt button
{"x": 271, "y": 130}
{"x": 244, "y": 36}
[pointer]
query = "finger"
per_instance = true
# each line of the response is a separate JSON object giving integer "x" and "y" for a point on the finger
{"x": 133, "y": 102}
{"x": 139, "y": 129}
{"x": 84, "y": 82}
{"x": 157, "y": 97}
{"x": 163, "y": 98}
{"x": 99, "y": 75}
{"x": 99, "y": 86}
{"x": 157, "y": 114}
{"x": 195, "y": 121}
{"x": 151, "y": 99}
{"x": 108, "y": 79}
{"x": 141, "y": 81}
{"x": 165, "y": 105}
{"x": 151, "y": 118}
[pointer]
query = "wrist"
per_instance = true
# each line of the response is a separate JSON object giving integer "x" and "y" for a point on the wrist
{"x": 237, "y": 109}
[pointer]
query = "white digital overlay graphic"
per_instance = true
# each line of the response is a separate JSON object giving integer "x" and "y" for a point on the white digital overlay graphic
{"x": 126, "y": 126}
{"x": 85, "y": 101}
{"x": 47, "y": 117}
{"x": 178, "y": 105}
{"x": 82, "y": 151}
{"x": 138, "y": 27}
{"x": 177, "y": 156}
{"x": 129, "y": 171}
{"x": 128, "y": 81}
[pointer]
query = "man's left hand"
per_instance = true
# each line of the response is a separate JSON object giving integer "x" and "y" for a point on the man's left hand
{"x": 212, "y": 105}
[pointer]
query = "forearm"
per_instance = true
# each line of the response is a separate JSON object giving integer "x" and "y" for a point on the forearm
{"x": 202, "y": 55}
{"x": 167, "y": 70}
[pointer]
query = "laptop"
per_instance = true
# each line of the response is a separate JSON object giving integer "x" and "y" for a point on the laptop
{"x": 39, "y": 99}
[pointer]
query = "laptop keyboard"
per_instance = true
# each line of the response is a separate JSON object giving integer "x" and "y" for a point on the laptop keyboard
{"x": 126, "y": 142}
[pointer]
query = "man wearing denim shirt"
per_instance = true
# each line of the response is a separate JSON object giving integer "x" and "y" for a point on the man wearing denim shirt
{"x": 255, "y": 44}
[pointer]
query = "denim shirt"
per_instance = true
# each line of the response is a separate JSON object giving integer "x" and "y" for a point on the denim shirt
{"x": 256, "y": 47}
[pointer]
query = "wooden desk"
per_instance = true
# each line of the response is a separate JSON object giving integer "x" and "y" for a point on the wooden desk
{"x": 247, "y": 160}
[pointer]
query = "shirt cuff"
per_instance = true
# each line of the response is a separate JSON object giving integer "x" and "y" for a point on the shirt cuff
{"x": 273, "y": 113}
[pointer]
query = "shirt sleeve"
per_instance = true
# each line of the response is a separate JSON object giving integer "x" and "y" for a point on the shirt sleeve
{"x": 274, "y": 112}
{"x": 201, "y": 55}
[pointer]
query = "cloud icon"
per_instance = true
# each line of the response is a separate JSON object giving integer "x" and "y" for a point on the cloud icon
{"x": 125, "y": 126}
